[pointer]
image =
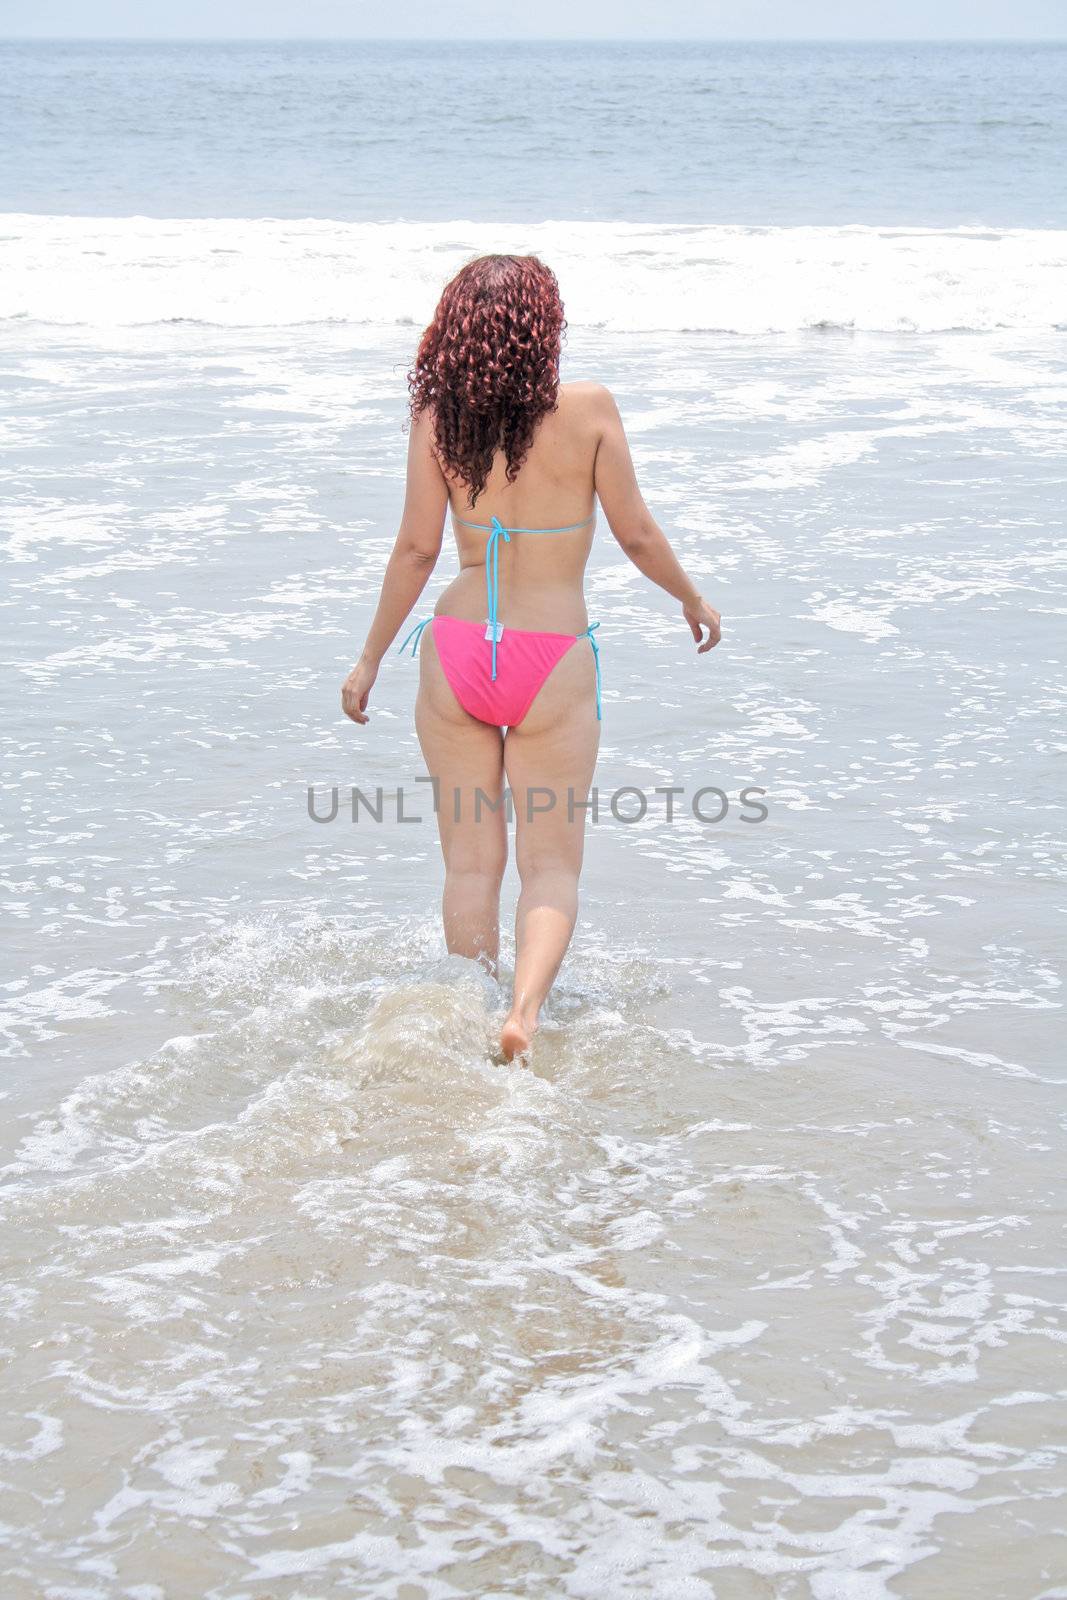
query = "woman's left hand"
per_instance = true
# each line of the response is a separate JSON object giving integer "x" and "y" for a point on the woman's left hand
{"x": 356, "y": 689}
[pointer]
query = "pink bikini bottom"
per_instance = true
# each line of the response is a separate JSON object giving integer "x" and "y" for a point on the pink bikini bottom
{"x": 523, "y": 661}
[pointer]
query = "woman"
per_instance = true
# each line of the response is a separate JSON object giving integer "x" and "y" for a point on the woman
{"x": 519, "y": 459}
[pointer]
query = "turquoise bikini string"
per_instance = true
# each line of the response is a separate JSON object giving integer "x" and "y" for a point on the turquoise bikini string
{"x": 416, "y": 635}
{"x": 492, "y": 576}
{"x": 485, "y": 527}
{"x": 588, "y": 634}
{"x": 497, "y": 531}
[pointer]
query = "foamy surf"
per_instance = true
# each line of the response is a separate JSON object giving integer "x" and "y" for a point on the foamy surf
{"x": 338, "y": 1306}
{"x": 616, "y": 276}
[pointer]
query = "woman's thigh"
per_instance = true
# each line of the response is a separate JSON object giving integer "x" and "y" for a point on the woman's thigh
{"x": 465, "y": 758}
{"x": 549, "y": 761}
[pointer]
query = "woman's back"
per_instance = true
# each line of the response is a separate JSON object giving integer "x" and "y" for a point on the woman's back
{"x": 540, "y": 573}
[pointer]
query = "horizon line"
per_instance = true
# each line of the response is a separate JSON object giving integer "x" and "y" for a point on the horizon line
{"x": 351, "y": 38}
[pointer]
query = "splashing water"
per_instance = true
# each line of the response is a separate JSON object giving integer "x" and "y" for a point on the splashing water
{"x": 335, "y": 1304}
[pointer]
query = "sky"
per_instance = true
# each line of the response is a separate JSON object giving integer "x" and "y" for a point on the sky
{"x": 517, "y": 19}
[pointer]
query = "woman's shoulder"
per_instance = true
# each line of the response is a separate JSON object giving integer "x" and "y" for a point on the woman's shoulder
{"x": 588, "y": 396}
{"x": 590, "y": 407}
{"x": 585, "y": 389}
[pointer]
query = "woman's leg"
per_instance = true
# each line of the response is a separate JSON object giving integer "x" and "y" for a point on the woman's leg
{"x": 464, "y": 756}
{"x": 549, "y": 760}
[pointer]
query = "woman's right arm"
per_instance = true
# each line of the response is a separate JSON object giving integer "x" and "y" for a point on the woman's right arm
{"x": 634, "y": 526}
{"x": 418, "y": 544}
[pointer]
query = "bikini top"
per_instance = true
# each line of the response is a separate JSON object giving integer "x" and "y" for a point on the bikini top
{"x": 497, "y": 531}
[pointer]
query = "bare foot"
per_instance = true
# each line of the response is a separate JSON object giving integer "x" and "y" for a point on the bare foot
{"x": 515, "y": 1037}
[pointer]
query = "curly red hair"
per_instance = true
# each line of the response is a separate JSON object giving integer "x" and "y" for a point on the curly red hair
{"x": 488, "y": 365}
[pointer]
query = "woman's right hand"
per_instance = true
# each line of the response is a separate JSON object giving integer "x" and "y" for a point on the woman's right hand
{"x": 703, "y": 616}
{"x": 355, "y": 689}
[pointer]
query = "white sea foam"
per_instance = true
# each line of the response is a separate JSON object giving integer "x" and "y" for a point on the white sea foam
{"x": 626, "y": 277}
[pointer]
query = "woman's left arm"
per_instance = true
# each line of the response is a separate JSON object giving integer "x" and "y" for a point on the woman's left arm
{"x": 414, "y": 556}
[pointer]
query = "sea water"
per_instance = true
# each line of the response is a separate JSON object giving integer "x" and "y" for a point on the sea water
{"x": 752, "y": 1285}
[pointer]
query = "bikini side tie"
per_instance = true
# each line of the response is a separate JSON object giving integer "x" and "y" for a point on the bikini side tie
{"x": 588, "y": 634}
{"x": 492, "y": 576}
{"x": 416, "y": 635}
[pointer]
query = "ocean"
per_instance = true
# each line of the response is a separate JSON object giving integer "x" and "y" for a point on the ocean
{"x": 751, "y": 1287}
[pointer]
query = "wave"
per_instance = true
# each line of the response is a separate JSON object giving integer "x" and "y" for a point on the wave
{"x": 618, "y": 276}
